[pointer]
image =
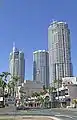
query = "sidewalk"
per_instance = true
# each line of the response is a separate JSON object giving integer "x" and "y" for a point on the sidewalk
{"x": 28, "y": 118}
{"x": 68, "y": 109}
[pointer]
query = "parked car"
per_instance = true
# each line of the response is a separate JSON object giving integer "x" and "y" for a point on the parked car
{"x": 1, "y": 102}
{"x": 21, "y": 107}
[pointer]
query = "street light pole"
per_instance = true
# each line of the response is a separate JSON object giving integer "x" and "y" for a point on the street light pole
{"x": 58, "y": 81}
{"x": 51, "y": 95}
{"x": 57, "y": 77}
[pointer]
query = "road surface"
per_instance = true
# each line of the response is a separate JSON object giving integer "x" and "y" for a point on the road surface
{"x": 27, "y": 118}
{"x": 63, "y": 114}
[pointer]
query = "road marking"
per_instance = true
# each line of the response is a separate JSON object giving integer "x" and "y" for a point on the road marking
{"x": 74, "y": 116}
{"x": 58, "y": 113}
{"x": 55, "y": 118}
{"x": 64, "y": 116}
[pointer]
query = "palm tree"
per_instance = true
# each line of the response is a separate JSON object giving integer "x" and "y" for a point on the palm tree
{"x": 41, "y": 100}
{"x": 35, "y": 94}
{"x": 3, "y": 85}
{"x": 15, "y": 79}
{"x": 9, "y": 87}
{"x": 45, "y": 89}
{"x": 51, "y": 92}
{"x": 74, "y": 101}
{"x": 55, "y": 83}
{"x": 47, "y": 101}
{"x": 42, "y": 93}
{"x": 4, "y": 75}
{"x": 14, "y": 83}
{"x": 3, "y": 78}
{"x": 0, "y": 82}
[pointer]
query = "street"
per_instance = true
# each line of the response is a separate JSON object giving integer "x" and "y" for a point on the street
{"x": 63, "y": 114}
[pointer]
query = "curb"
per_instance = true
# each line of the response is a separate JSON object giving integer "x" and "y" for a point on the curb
{"x": 25, "y": 117}
{"x": 54, "y": 118}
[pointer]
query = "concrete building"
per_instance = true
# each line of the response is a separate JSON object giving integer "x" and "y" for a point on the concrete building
{"x": 59, "y": 51}
{"x": 17, "y": 64}
{"x": 41, "y": 67}
{"x": 72, "y": 91}
{"x": 29, "y": 87}
{"x": 68, "y": 91}
{"x": 69, "y": 80}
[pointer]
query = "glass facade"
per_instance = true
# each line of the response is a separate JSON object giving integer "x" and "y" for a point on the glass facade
{"x": 17, "y": 65}
{"x": 59, "y": 51}
{"x": 41, "y": 67}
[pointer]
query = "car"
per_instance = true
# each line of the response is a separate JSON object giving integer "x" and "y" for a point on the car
{"x": 21, "y": 107}
{"x": 6, "y": 104}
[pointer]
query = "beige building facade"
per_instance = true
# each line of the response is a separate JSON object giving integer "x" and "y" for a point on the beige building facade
{"x": 29, "y": 87}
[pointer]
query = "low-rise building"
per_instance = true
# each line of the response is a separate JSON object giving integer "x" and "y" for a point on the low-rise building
{"x": 28, "y": 88}
{"x": 69, "y": 80}
{"x": 68, "y": 92}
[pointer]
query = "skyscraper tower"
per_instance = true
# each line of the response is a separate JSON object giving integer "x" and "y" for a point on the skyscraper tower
{"x": 59, "y": 51}
{"x": 17, "y": 64}
{"x": 41, "y": 67}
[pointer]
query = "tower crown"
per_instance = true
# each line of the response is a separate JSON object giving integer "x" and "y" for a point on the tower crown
{"x": 14, "y": 48}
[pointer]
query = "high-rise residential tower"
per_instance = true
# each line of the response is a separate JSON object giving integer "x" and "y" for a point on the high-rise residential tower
{"x": 17, "y": 64}
{"x": 59, "y": 51}
{"x": 41, "y": 67}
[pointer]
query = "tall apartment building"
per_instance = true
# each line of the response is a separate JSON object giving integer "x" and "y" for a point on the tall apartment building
{"x": 17, "y": 64}
{"x": 41, "y": 67}
{"x": 59, "y": 51}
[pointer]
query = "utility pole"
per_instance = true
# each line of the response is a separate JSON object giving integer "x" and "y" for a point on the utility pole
{"x": 58, "y": 81}
{"x": 51, "y": 96}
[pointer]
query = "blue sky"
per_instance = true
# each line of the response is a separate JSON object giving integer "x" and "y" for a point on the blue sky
{"x": 26, "y": 22}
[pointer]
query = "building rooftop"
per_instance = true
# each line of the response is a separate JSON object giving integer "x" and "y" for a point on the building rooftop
{"x": 56, "y": 22}
{"x": 40, "y": 51}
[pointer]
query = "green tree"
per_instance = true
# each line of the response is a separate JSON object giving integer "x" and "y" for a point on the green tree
{"x": 45, "y": 89}
{"x": 74, "y": 101}
{"x": 14, "y": 84}
{"x": 42, "y": 93}
{"x": 47, "y": 101}
{"x": 4, "y": 75}
{"x": 9, "y": 87}
{"x": 3, "y": 80}
{"x": 41, "y": 100}
{"x": 15, "y": 79}
{"x": 51, "y": 93}
{"x": 3, "y": 85}
{"x": 35, "y": 94}
{"x": 55, "y": 83}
